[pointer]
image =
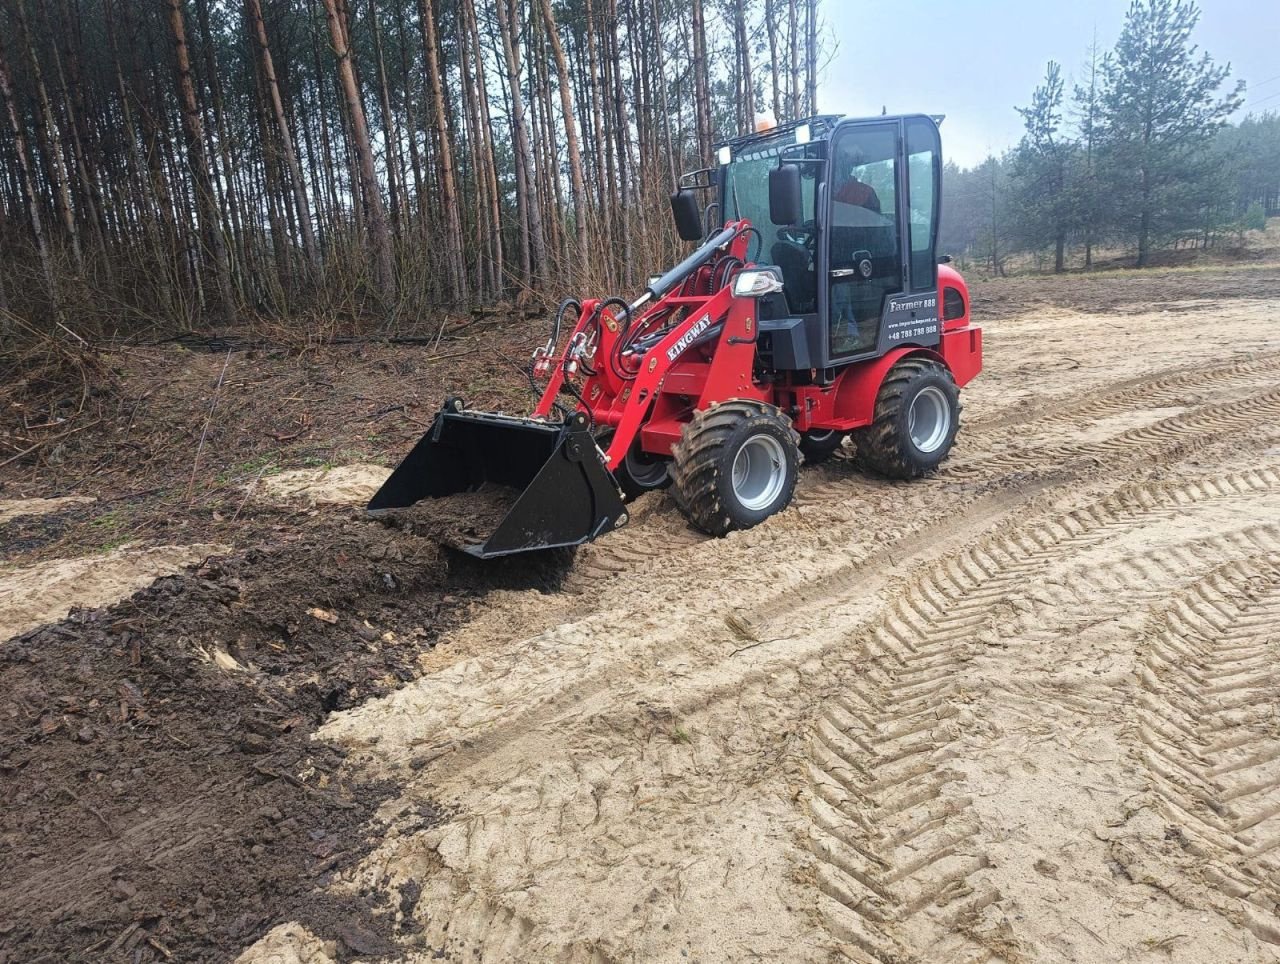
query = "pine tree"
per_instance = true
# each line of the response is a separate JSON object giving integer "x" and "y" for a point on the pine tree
{"x": 1162, "y": 108}
{"x": 1087, "y": 106}
{"x": 1045, "y": 195}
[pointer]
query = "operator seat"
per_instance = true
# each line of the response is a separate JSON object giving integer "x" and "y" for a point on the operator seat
{"x": 797, "y": 277}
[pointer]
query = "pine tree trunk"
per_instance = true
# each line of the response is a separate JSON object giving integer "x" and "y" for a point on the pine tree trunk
{"x": 449, "y": 187}
{"x": 326, "y": 139}
{"x": 793, "y": 75}
{"x": 410, "y": 119}
{"x": 747, "y": 89}
{"x": 663, "y": 107}
{"x": 478, "y": 191}
{"x": 391, "y": 143}
{"x": 528, "y": 207}
{"x": 811, "y": 56}
{"x": 74, "y": 105}
{"x": 599, "y": 143}
{"x": 240, "y": 219}
{"x": 28, "y": 182}
{"x": 487, "y": 161}
{"x": 303, "y": 207}
{"x": 210, "y": 227}
{"x": 375, "y": 216}
{"x": 47, "y": 132}
{"x": 771, "y": 28}
{"x": 546, "y": 155}
{"x": 622, "y": 136}
{"x": 702, "y": 93}
{"x": 571, "y": 137}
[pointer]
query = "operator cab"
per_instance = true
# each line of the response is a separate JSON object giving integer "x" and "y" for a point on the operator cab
{"x": 847, "y": 212}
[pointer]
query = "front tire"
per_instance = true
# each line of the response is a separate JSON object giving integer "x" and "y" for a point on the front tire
{"x": 735, "y": 465}
{"x": 917, "y": 416}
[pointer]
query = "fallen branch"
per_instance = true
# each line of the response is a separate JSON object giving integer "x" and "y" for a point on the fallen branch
{"x": 205, "y": 431}
{"x": 51, "y": 438}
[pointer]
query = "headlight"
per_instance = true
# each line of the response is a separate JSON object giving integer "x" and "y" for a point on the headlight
{"x": 753, "y": 284}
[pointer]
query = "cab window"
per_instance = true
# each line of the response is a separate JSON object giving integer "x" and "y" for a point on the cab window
{"x": 790, "y": 248}
{"x": 923, "y": 163}
{"x": 866, "y": 261}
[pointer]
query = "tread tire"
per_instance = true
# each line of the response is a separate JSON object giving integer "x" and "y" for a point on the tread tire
{"x": 885, "y": 446}
{"x": 635, "y": 485}
{"x": 817, "y": 447}
{"x": 702, "y": 467}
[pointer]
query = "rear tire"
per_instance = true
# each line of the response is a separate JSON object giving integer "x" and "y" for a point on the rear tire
{"x": 641, "y": 472}
{"x": 917, "y": 416}
{"x": 818, "y": 446}
{"x": 734, "y": 466}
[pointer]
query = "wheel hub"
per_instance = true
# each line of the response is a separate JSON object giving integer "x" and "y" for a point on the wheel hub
{"x": 929, "y": 419}
{"x": 759, "y": 472}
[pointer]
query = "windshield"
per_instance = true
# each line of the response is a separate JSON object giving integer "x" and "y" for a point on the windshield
{"x": 745, "y": 194}
{"x": 746, "y": 183}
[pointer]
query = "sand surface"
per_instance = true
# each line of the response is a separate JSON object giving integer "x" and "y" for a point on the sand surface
{"x": 16, "y": 508}
{"x": 46, "y": 592}
{"x": 342, "y": 484}
{"x": 1023, "y": 710}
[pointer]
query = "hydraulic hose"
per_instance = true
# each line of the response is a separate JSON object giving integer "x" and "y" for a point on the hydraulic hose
{"x": 555, "y": 325}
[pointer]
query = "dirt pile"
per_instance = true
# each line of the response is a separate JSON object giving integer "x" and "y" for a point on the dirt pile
{"x": 47, "y": 591}
{"x": 460, "y": 520}
{"x": 162, "y": 793}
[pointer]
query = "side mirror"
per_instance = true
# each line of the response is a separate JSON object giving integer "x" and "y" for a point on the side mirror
{"x": 786, "y": 201}
{"x": 684, "y": 207}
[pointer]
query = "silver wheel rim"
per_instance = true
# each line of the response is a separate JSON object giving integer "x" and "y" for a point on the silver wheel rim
{"x": 929, "y": 419}
{"x": 759, "y": 472}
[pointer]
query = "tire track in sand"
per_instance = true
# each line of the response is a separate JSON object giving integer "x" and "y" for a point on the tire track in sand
{"x": 983, "y": 454}
{"x": 658, "y": 530}
{"x": 1181, "y": 433}
{"x": 474, "y": 716}
{"x": 934, "y": 844}
{"x": 898, "y": 845}
{"x": 1156, "y": 390}
{"x": 1207, "y": 731}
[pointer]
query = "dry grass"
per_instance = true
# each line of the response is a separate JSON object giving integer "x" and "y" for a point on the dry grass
{"x": 52, "y": 385}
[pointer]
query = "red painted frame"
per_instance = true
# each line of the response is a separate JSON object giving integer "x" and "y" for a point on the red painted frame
{"x": 692, "y": 365}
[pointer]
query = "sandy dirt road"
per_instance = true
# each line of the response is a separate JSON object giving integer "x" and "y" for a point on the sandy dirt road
{"x": 1024, "y": 710}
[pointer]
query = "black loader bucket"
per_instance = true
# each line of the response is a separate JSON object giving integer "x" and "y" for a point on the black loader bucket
{"x": 503, "y": 485}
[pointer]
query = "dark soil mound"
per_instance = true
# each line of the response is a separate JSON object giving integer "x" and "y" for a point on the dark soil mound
{"x": 157, "y": 803}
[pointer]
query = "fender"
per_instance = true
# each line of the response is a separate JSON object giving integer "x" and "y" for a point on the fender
{"x": 855, "y": 394}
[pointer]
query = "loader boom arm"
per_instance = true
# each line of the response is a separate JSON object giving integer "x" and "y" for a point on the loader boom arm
{"x": 695, "y": 333}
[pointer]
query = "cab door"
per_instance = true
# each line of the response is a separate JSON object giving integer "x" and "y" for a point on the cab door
{"x": 880, "y": 232}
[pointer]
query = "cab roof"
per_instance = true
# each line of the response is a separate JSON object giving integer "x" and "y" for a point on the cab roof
{"x": 820, "y": 128}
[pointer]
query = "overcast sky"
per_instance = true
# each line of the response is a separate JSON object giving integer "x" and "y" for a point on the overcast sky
{"x": 974, "y": 61}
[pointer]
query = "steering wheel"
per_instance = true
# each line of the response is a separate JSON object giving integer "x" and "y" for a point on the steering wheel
{"x": 801, "y": 235}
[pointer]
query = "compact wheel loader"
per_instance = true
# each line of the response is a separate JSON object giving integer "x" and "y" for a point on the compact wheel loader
{"x": 817, "y": 311}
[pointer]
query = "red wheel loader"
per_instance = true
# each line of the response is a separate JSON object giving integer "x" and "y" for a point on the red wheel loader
{"x": 816, "y": 311}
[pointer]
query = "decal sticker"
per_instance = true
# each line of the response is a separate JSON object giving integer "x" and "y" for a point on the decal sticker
{"x": 701, "y": 325}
